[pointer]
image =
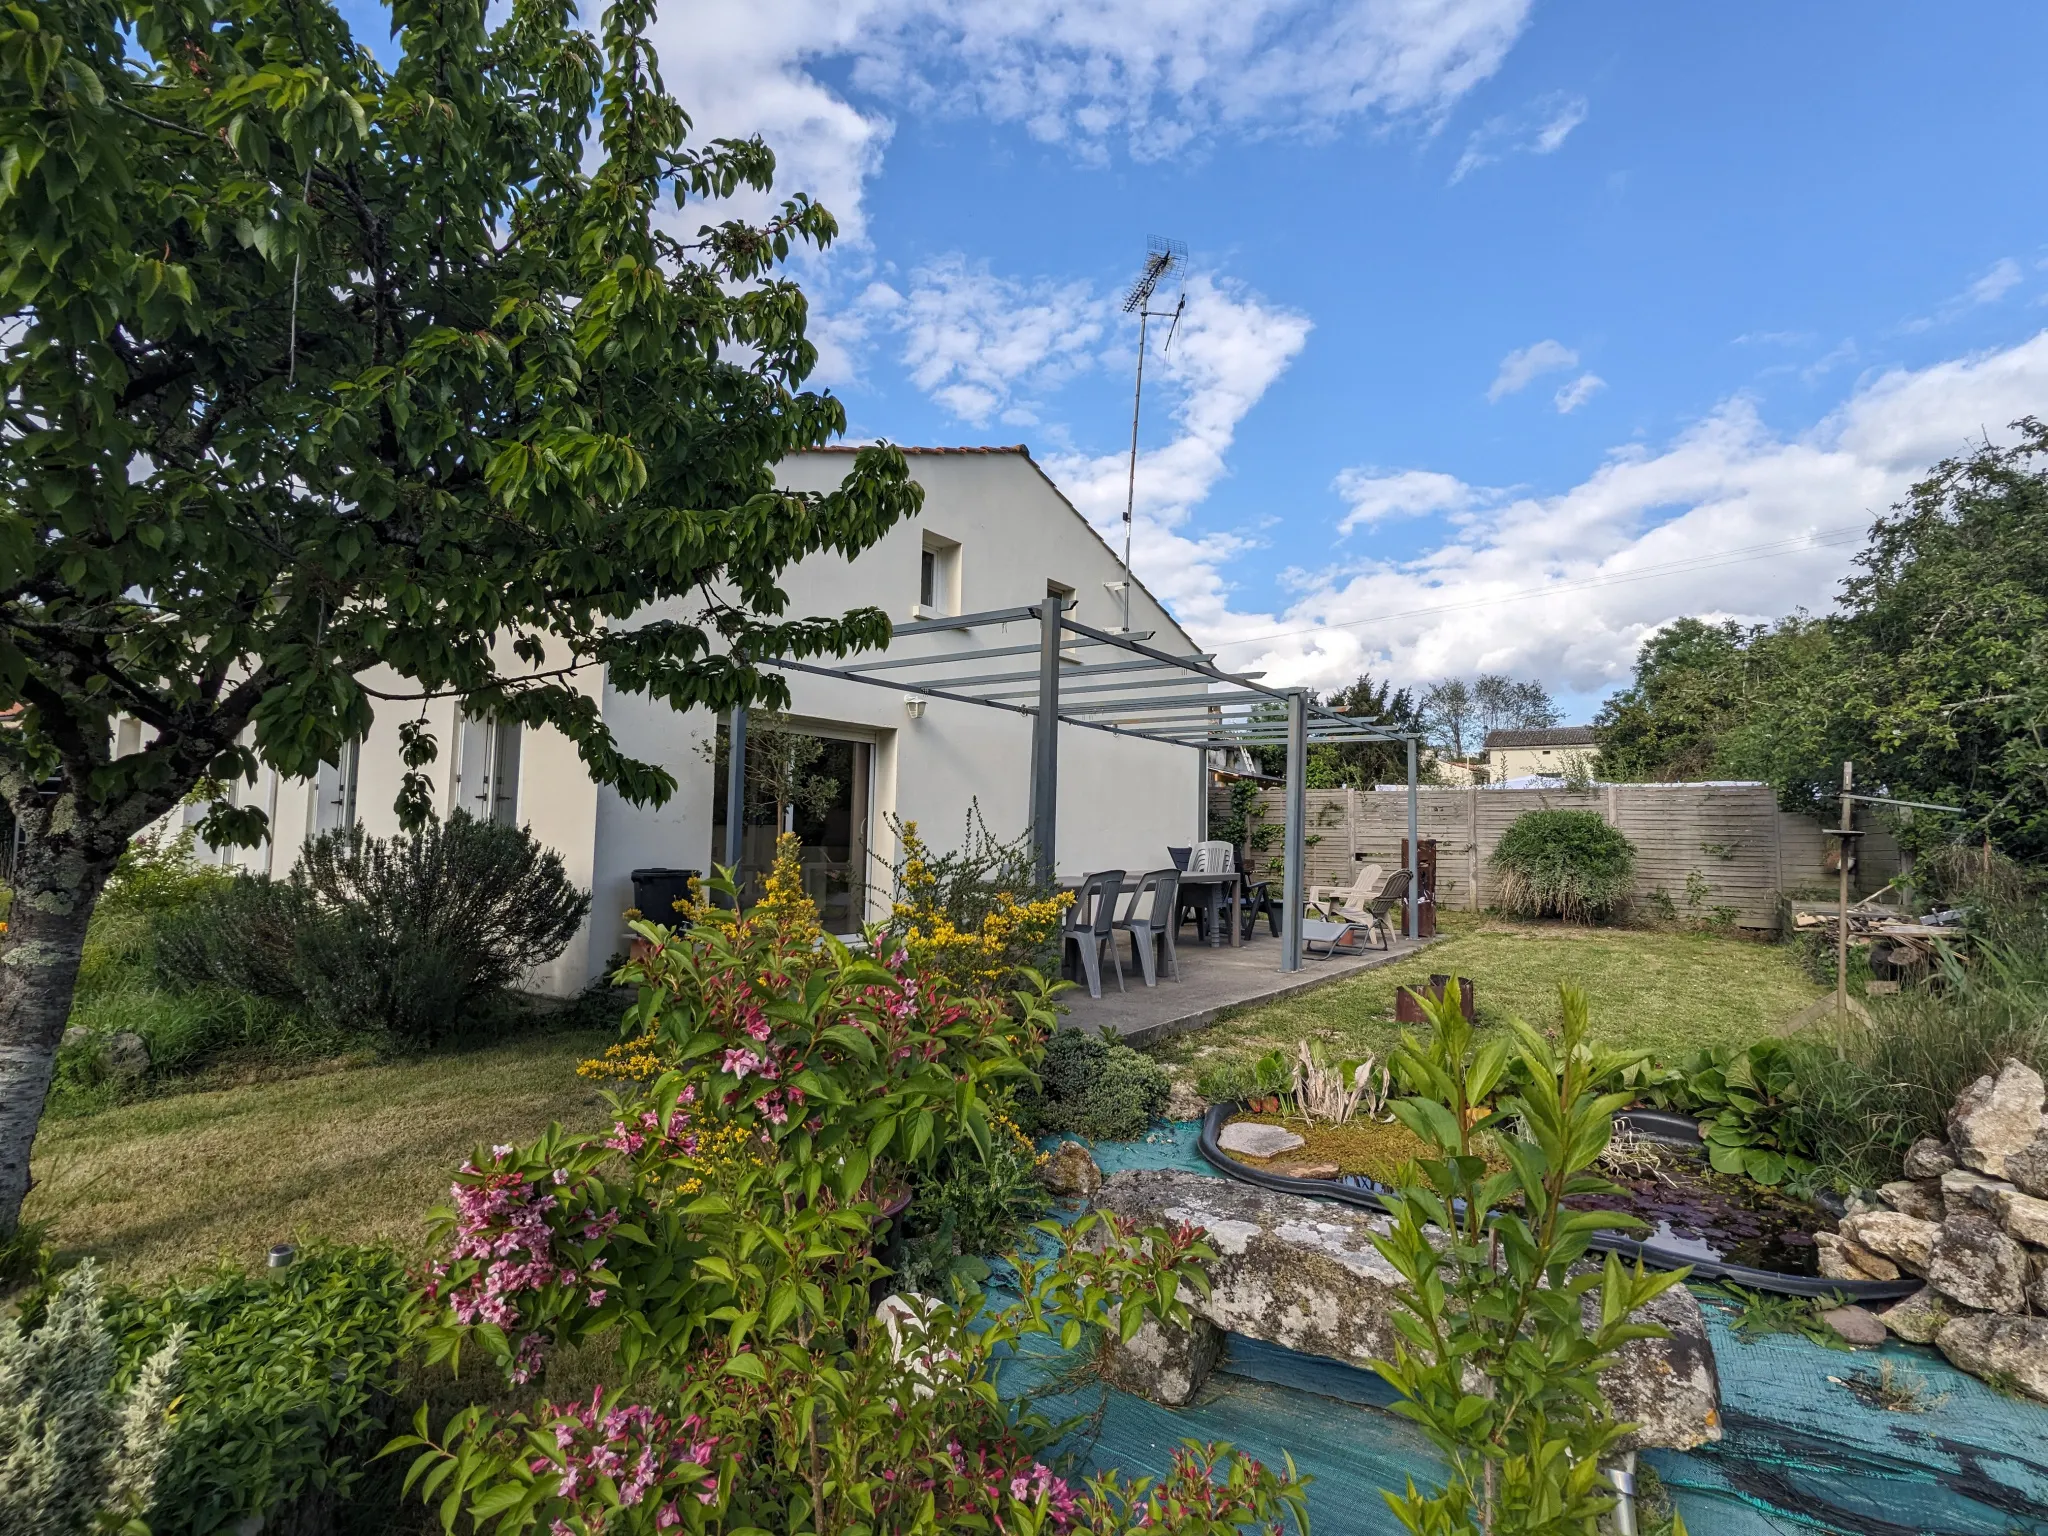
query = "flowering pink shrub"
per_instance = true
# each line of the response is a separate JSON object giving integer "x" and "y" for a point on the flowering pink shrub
{"x": 721, "y": 1236}
{"x": 611, "y": 1458}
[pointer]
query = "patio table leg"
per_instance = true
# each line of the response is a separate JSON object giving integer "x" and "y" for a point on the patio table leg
{"x": 1237, "y": 915}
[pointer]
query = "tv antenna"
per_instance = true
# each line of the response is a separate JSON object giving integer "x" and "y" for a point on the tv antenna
{"x": 1163, "y": 259}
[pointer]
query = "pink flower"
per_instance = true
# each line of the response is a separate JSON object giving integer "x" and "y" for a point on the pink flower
{"x": 596, "y": 1298}
{"x": 561, "y": 1176}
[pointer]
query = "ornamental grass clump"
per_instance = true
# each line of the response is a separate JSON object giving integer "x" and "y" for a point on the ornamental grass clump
{"x": 1566, "y": 864}
{"x": 719, "y": 1246}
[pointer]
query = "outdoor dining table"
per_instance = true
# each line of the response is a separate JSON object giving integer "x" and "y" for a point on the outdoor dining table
{"x": 1211, "y": 889}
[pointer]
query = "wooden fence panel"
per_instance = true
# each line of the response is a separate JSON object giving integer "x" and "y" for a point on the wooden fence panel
{"x": 1709, "y": 849}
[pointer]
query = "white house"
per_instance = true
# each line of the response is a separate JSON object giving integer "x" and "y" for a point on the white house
{"x": 995, "y": 533}
{"x": 1559, "y": 749}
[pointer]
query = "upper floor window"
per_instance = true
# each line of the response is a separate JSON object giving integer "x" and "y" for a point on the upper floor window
{"x": 938, "y": 577}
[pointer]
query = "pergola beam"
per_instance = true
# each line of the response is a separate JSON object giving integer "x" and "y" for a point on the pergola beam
{"x": 1239, "y": 712}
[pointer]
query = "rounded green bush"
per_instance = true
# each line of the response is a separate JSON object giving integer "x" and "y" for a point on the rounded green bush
{"x": 1568, "y": 864}
{"x": 1092, "y": 1087}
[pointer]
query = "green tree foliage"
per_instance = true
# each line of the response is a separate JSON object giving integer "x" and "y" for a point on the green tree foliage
{"x": 1931, "y": 675}
{"x": 332, "y": 385}
{"x": 1359, "y": 764}
{"x": 1696, "y": 685}
{"x": 1459, "y": 716}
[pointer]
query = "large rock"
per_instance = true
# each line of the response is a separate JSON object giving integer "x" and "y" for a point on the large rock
{"x": 2026, "y": 1218}
{"x": 2037, "y": 1288}
{"x": 1304, "y": 1274}
{"x": 1837, "y": 1258}
{"x": 1975, "y": 1263}
{"x": 1252, "y": 1138}
{"x": 2028, "y": 1167}
{"x": 1914, "y": 1197}
{"x": 2009, "y": 1350}
{"x": 127, "y": 1055}
{"x": 1929, "y": 1159}
{"x": 1855, "y": 1325}
{"x": 1920, "y": 1316}
{"x": 1905, "y": 1240}
{"x": 1997, "y": 1116}
{"x": 1964, "y": 1190}
{"x": 1069, "y": 1170}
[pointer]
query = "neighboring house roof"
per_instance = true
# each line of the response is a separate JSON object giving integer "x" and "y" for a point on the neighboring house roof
{"x": 1024, "y": 452}
{"x": 1553, "y": 736}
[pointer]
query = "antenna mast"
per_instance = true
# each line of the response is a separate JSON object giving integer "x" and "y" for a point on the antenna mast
{"x": 1163, "y": 259}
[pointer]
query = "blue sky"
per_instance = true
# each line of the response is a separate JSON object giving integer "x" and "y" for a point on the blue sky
{"x": 1495, "y": 307}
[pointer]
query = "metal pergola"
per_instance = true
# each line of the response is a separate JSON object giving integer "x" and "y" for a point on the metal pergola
{"x": 1122, "y": 686}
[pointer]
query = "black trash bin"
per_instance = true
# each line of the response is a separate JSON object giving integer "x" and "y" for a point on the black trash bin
{"x": 656, "y": 891}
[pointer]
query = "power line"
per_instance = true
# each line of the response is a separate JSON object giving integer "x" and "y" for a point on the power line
{"x": 1736, "y": 556}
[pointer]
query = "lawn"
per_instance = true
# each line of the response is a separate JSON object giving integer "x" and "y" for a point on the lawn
{"x": 1666, "y": 992}
{"x": 352, "y": 1154}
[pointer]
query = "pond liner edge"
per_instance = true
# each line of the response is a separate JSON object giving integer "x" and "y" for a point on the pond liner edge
{"x": 1652, "y": 1125}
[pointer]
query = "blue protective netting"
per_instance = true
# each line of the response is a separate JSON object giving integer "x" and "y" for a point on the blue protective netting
{"x": 1802, "y": 1451}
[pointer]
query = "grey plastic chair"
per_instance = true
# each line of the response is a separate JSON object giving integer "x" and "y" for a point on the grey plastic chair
{"x": 1091, "y": 927}
{"x": 1152, "y": 930}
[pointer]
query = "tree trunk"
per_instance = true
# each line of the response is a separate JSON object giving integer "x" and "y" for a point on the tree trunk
{"x": 56, "y": 887}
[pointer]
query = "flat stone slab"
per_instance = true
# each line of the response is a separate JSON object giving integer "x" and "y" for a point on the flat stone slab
{"x": 1304, "y": 1274}
{"x": 1254, "y": 1139}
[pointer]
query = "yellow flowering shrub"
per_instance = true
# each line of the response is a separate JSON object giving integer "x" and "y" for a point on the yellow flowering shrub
{"x": 1013, "y": 933}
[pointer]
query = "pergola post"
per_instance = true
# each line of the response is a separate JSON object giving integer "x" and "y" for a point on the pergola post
{"x": 736, "y": 787}
{"x": 1291, "y": 879}
{"x": 1045, "y": 742}
{"x": 1414, "y": 923}
{"x": 1202, "y": 781}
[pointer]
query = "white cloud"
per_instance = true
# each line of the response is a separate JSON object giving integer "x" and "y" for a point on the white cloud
{"x": 981, "y": 344}
{"x": 1995, "y": 284}
{"x": 1150, "y": 76}
{"x": 1526, "y": 364}
{"x": 1539, "y": 129}
{"x": 1375, "y": 497}
{"x": 1729, "y": 520}
{"x": 1232, "y": 347}
{"x": 2003, "y": 276}
{"x": 1578, "y": 392}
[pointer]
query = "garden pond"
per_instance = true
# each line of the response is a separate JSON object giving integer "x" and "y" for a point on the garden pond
{"x": 1692, "y": 1211}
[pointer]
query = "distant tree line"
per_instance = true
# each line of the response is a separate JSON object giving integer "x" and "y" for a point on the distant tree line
{"x": 1931, "y": 674}
{"x": 1453, "y": 716}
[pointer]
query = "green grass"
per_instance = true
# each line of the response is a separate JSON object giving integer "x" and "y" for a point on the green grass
{"x": 354, "y": 1154}
{"x": 1666, "y": 992}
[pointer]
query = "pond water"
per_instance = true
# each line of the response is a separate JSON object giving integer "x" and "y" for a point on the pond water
{"x": 1702, "y": 1214}
{"x": 1698, "y": 1213}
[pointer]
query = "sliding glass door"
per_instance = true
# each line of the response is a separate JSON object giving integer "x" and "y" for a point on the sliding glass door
{"x": 813, "y": 785}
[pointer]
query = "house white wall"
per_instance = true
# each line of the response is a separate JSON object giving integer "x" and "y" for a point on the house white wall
{"x": 1006, "y": 532}
{"x": 1122, "y": 802}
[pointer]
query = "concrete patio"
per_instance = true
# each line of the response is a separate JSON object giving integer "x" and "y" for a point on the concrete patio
{"x": 1212, "y": 981}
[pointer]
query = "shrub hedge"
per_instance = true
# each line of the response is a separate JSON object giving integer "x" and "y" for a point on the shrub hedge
{"x": 1568, "y": 864}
